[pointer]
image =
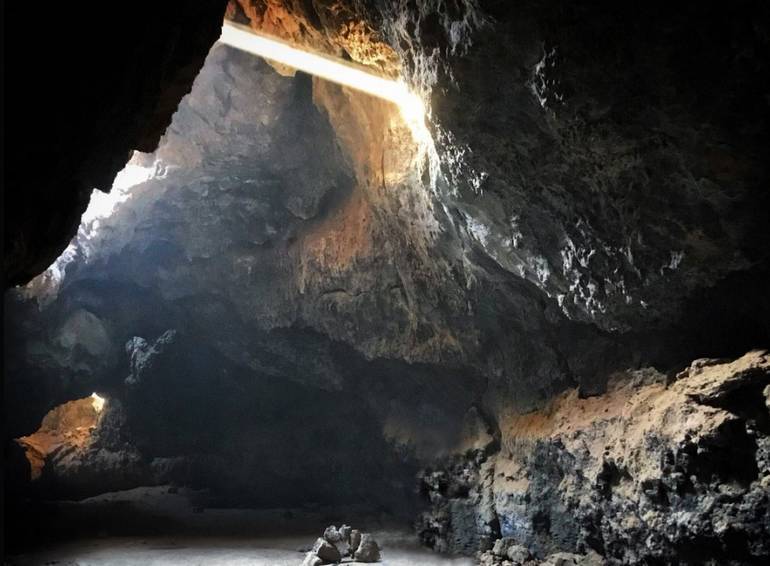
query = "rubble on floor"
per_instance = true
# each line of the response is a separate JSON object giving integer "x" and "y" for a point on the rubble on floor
{"x": 338, "y": 544}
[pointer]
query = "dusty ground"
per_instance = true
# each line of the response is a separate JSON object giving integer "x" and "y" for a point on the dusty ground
{"x": 399, "y": 549}
{"x": 156, "y": 525}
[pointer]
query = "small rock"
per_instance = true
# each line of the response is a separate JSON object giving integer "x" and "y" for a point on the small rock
{"x": 311, "y": 559}
{"x": 501, "y": 546}
{"x": 368, "y": 550}
{"x": 326, "y": 551}
{"x": 592, "y": 558}
{"x": 517, "y": 554}
{"x": 562, "y": 559}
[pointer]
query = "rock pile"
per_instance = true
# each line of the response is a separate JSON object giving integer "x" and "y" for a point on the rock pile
{"x": 346, "y": 542}
{"x": 506, "y": 552}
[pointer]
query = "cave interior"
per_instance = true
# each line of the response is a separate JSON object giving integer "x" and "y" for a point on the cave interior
{"x": 493, "y": 289}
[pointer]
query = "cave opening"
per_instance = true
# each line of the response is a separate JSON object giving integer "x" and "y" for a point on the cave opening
{"x": 412, "y": 283}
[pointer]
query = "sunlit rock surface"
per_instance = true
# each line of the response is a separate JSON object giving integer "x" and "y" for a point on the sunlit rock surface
{"x": 64, "y": 430}
{"x": 333, "y": 27}
{"x": 621, "y": 197}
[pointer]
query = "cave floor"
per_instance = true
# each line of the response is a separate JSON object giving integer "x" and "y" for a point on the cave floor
{"x": 398, "y": 549}
{"x": 158, "y": 525}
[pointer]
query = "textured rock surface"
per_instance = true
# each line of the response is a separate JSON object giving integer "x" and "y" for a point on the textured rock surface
{"x": 141, "y": 355}
{"x": 332, "y": 27}
{"x": 64, "y": 430}
{"x": 326, "y": 551}
{"x": 618, "y": 199}
{"x": 648, "y": 472}
{"x": 521, "y": 557}
{"x": 253, "y": 168}
{"x": 368, "y": 550}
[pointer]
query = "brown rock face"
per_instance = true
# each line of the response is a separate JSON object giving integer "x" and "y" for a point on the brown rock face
{"x": 333, "y": 27}
{"x": 68, "y": 427}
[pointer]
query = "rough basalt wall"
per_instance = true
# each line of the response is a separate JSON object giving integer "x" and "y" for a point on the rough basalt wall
{"x": 654, "y": 471}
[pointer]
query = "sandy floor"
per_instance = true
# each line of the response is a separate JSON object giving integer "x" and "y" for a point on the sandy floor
{"x": 398, "y": 550}
{"x": 120, "y": 529}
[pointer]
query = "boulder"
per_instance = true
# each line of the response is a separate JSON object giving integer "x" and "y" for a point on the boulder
{"x": 312, "y": 559}
{"x": 326, "y": 551}
{"x": 368, "y": 550}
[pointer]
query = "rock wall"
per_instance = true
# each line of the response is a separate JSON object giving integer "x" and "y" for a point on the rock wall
{"x": 654, "y": 471}
{"x": 618, "y": 198}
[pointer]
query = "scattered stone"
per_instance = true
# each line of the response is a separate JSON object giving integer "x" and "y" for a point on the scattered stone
{"x": 504, "y": 546}
{"x": 592, "y": 558}
{"x": 517, "y": 554}
{"x": 505, "y": 552}
{"x": 562, "y": 559}
{"x": 343, "y": 542}
{"x": 368, "y": 550}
